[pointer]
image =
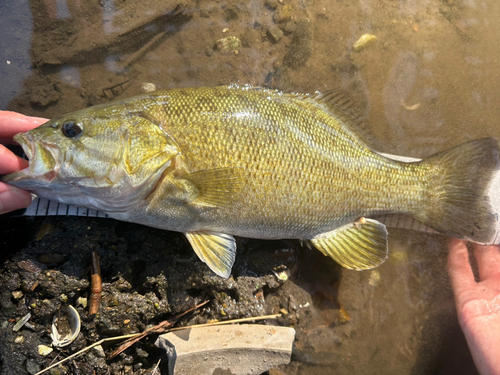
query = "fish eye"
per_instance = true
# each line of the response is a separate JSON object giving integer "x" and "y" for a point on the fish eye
{"x": 71, "y": 129}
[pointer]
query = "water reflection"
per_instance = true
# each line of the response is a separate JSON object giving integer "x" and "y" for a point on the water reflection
{"x": 16, "y": 26}
{"x": 430, "y": 81}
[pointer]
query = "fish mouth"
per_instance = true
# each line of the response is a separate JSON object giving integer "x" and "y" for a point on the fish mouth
{"x": 42, "y": 162}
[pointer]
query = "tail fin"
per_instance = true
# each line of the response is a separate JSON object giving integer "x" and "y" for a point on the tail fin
{"x": 459, "y": 203}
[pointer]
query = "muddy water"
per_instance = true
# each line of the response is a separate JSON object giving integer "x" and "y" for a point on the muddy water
{"x": 428, "y": 82}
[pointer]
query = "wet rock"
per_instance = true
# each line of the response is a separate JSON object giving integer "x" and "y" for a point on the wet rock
{"x": 44, "y": 350}
{"x": 82, "y": 368}
{"x": 98, "y": 351}
{"x": 271, "y": 4}
{"x": 289, "y": 27}
{"x": 301, "y": 48}
{"x": 228, "y": 45}
{"x": 148, "y": 87}
{"x": 275, "y": 34}
{"x": 283, "y": 14}
{"x": 230, "y": 15}
{"x": 17, "y": 294}
{"x": 209, "y": 51}
{"x": 32, "y": 367}
{"x": 96, "y": 362}
{"x": 19, "y": 340}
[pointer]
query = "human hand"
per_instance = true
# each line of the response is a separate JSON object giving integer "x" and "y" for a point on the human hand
{"x": 478, "y": 303}
{"x": 11, "y": 123}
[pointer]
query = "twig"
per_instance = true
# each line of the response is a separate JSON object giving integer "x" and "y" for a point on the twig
{"x": 156, "y": 329}
{"x": 85, "y": 350}
{"x": 227, "y": 322}
{"x": 95, "y": 284}
{"x": 156, "y": 367}
{"x": 134, "y": 337}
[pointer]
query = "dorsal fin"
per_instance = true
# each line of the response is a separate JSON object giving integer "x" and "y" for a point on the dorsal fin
{"x": 341, "y": 105}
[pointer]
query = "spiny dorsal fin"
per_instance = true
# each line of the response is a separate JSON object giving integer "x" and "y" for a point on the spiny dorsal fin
{"x": 357, "y": 246}
{"x": 339, "y": 103}
{"x": 216, "y": 187}
{"x": 217, "y": 250}
{"x": 343, "y": 106}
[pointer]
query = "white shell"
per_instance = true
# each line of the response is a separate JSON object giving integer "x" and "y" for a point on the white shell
{"x": 63, "y": 339}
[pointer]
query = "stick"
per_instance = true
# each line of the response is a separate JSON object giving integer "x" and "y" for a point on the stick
{"x": 84, "y": 350}
{"x": 227, "y": 322}
{"x": 156, "y": 329}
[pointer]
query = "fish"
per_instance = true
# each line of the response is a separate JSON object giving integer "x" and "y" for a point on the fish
{"x": 219, "y": 162}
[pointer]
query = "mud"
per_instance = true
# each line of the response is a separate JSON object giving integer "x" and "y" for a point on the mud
{"x": 428, "y": 82}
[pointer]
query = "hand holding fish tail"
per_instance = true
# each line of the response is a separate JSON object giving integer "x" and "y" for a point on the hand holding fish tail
{"x": 11, "y": 123}
{"x": 478, "y": 303}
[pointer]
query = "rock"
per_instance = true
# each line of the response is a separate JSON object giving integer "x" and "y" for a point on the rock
{"x": 271, "y": 4}
{"x": 209, "y": 51}
{"x": 81, "y": 301}
{"x": 98, "y": 351}
{"x": 17, "y": 294}
{"x": 289, "y": 27}
{"x": 229, "y": 45}
{"x": 32, "y": 367}
{"x": 275, "y": 34}
{"x": 283, "y": 14}
{"x": 19, "y": 340}
{"x": 44, "y": 350}
{"x": 148, "y": 87}
{"x": 232, "y": 349}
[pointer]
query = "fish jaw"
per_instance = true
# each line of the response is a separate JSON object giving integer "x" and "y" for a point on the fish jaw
{"x": 43, "y": 163}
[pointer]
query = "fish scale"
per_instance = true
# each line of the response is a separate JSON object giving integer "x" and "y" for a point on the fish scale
{"x": 228, "y": 161}
{"x": 278, "y": 141}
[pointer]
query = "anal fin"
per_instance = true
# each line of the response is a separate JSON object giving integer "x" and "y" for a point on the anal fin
{"x": 357, "y": 246}
{"x": 217, "y": 250}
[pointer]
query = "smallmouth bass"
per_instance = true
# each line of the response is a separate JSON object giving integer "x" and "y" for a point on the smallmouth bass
{"x": 219, "y": 162}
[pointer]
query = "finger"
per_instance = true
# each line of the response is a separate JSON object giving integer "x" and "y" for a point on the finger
{"x": 488, "y": 260}
{"x": 12, "y": 123}
{"x": 9, "y": 162}
{"x": 13, "y": 198}
{"x": 459, "y": 269}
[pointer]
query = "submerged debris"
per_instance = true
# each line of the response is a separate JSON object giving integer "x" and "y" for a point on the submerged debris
{"x": 363, "y": 42}
{"x": 228, "y": 45}
{"x": 275, "y": 34}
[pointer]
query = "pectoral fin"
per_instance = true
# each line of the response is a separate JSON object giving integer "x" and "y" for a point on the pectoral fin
{"x": 357, "y": 246}
{"x": 216, "y": 187}
{"x": 217, "y": 250}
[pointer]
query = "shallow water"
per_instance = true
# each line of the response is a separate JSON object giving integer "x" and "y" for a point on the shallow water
{"x": 429, "y": 81}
